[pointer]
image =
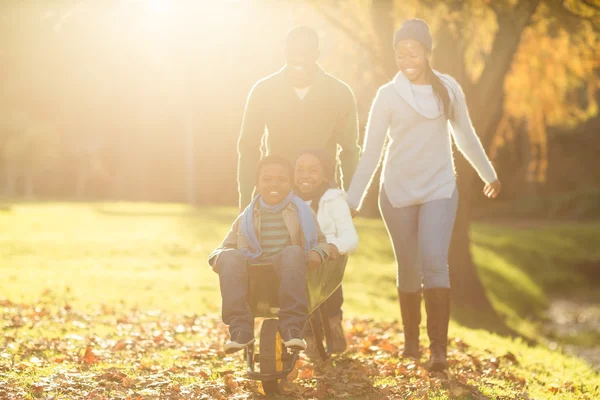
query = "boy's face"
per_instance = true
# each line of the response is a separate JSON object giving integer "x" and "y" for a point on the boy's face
{"x": 274, "y": 183}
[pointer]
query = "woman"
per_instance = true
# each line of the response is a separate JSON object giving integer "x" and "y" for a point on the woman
{"x": 418, "y": 197}
{"x": 333, "y": 214}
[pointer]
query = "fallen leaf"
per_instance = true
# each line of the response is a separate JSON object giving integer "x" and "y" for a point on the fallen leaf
{"x": 230, "y": 382}
{"x": 294, "y": 372}
{"x": 127, "y": 383}
{"x": 511, "y": 357}
{"x": 554, "y": 388}
{"x": 457, "y": 391}
{"x": 306, "y": 373}
{"x": 89, "y": 357}
{"x": 119, "y": 345}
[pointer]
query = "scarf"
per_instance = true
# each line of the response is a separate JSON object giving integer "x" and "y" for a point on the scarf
{"x": 307, "y": 223}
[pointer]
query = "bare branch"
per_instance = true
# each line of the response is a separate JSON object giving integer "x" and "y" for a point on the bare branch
{"x": 571, "y": 17}
{"x": 350, "y": 33}
{"x": 591, "y": 4}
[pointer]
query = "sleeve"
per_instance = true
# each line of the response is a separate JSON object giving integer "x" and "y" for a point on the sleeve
{"x": 321, "y": 246}
{"x": 377, "y": 127}
{"x": 347, "y": 134}
{"x": 467, "y": 140}
{"x": 346, "y": 237}
{"x": 230, "y": 242}
{"x": 249, "y": 145}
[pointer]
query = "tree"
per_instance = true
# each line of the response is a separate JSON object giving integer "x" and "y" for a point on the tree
{"x": 28, "y": 148}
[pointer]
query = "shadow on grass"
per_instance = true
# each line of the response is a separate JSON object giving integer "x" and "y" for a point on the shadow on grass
{"x": 523, "y": 269}
{"x": 493, "y": 323}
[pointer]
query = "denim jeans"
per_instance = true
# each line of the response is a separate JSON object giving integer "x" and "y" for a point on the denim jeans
{"x": 290, "y": 267}
{"x": 420, "y": 236}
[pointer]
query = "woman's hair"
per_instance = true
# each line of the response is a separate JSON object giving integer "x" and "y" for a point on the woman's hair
{"x": 418, "y": 30}
{"x": 269, "y": 160}
{"x": 441, "y": 92}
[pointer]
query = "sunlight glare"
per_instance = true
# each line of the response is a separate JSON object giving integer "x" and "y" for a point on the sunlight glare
{"x": 159, "y": 6}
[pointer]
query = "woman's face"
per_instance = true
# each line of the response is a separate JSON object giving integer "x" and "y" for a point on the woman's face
{"x": 411, "y": 60}
{"x": 309, "y": 173}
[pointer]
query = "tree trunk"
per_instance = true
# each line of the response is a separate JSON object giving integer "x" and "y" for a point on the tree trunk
{"x": 485, "y": 100}
{"x": 11, "y": 177}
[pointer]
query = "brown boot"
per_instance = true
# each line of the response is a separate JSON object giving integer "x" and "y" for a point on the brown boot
{"x": 437, "y": 305}
{"x": 410, "y": 309}
{"x": 338, "y": 338}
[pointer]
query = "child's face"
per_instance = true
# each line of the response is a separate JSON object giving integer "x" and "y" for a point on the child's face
{"x": 308, "y": 173}
{"x": 274, "y": 183}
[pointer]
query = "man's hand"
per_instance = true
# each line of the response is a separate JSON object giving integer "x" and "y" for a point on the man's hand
{"x": 353, "y": 212}
{"x": 492, "y": 190}
{"x": 333, "y": 251}
{"x": 313, "y": 260}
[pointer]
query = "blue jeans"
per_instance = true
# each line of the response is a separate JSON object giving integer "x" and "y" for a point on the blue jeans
{"x": 420, "y": 236}
{"x": 290, "y": 267}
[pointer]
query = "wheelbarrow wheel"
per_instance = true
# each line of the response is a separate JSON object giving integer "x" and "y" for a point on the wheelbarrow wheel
{"x": 271, "y": 355}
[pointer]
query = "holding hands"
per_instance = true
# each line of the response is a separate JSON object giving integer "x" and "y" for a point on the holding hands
{"x": 492, "y": 190}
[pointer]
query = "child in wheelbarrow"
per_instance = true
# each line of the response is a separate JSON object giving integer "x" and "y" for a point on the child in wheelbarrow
{"x": 279, "y": 228}
{"x": 311, "y": 183}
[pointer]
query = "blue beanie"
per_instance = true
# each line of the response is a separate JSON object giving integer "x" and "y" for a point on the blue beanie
{"x": 415, "y": 29}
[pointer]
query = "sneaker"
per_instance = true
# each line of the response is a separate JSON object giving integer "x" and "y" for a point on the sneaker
{"x": 338, "y": 338}
{"x": 239, "y": 340}
{"x": 292, "y": 339}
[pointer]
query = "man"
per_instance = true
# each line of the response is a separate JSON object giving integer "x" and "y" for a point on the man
{"x": 302, "y": 107}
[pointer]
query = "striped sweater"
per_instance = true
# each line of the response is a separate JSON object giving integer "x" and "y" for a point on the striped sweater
{"x": 274, "y": 235}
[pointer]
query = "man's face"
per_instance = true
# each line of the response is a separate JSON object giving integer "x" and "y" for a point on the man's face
{"x": 301, "y": 55}
{"x": 274, "y": 183}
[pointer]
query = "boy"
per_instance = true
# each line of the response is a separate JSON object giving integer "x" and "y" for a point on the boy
{"x": 279, "y": 228}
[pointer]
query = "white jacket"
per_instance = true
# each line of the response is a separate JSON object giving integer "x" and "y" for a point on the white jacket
{"x": 336, "y": 222}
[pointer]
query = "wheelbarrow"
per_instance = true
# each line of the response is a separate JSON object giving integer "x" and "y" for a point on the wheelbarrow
{"x": 273, "y": 361}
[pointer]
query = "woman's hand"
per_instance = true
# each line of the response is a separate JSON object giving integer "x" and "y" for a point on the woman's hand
{"x": 333, "y": 251}
{"x": 492, "y": 190}
{"x": 313, "y": 260}
{"x": 353, "y": 212}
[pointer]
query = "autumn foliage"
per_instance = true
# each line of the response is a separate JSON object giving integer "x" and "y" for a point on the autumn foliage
{"x": 58, "y": 352}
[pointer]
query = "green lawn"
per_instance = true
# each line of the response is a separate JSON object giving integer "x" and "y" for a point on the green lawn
{"x": 106, "y": 259}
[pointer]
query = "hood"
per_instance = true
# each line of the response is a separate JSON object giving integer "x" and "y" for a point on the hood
{"x": 403, "y": 87}
{"x": 332, "y": 194}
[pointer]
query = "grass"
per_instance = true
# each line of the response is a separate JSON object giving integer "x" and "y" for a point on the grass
{"x": 107, "y": 259}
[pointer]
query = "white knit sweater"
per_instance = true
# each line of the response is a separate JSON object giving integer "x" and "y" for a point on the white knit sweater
{"x": 418, "y": 165}
{"x": 335, "y": 221}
